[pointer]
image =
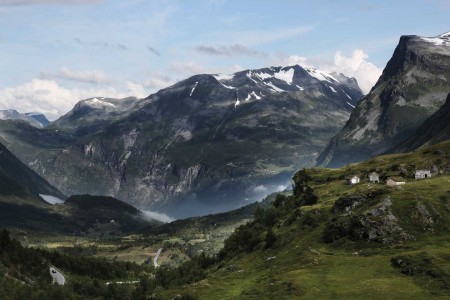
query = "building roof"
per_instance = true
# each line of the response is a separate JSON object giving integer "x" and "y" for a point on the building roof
{"x": 397, "y": 179}
{"x": 373, "y": 174}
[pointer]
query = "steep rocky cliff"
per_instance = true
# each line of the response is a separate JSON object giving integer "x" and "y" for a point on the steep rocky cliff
{"x": 413, "y": 86}
{"x": 434, "y": 130}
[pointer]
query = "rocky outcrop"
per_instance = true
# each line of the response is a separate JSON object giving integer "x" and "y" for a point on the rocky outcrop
{"x": 375, "y": 223}
{"x": 347, "y": 204}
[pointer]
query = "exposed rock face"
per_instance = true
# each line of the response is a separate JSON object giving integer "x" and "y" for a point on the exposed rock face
{"x": 372, "y": 222}
{"x": 208, "y": 143}
{"x": 18, "y": 179}
{"x": 413, "y": 86}
{"x": 434, "y": 130}
{"x": 347, "y": 204}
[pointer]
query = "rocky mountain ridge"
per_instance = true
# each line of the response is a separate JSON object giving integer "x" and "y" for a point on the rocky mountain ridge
{"x": 413, "y": 86}
{"x": 208, "y": 143}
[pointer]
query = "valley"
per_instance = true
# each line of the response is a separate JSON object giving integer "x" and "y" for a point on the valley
{"x": 222, "y": 150}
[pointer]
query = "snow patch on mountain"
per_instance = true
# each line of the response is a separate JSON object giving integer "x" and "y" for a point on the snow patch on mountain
{"x": 264, "y": 76}
{"x": 440, "y": 40}
{"x": 228, "y": 86}
{"x": 221, "y": 77}
{"x": 193, "y": 89}
{"x": 249, "y": 75}
{"x": 321, "y": 75}
{"x": 274, "y": 88}
{"x": 286, "y": 75}
{"x": 224, "y": 77}
{"x": 51, "y": 199}
{"x": 255, "y": 95}
{"x": 96, "y": 103}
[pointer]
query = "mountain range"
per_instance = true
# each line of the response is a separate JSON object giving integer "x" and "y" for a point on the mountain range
{"x": 208, "y": 143}
{"x": 214, "y": 142}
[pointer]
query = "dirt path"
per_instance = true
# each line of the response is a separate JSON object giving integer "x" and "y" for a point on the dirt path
{"x": 155, "y": 259}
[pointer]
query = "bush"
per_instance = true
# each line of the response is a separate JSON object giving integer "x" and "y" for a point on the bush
{"x": 270, "y": 238}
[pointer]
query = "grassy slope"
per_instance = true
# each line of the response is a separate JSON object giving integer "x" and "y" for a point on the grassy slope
{"x": 305, "y": 267}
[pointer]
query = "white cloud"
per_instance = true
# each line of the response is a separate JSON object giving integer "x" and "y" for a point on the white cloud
{"x": 357, "y": 65}
{"x": 157, "y": 82}
{"x": 136, "y": 89}
{"x": 297, "y": 60}
{"x": 281, "y": 187}
{"x": 187, "y": 68}
{"x": 229, "y": 50}
{"x": 260, "y": 189}
{"x": 89, "y": 76}
{"x": 261, "y": 37}
{"x": 153, "y": 215}
{"x": 48, "y": 97}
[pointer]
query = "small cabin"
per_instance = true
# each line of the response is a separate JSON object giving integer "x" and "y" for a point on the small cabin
{"x": 422, "y": 174}
{"x": 57, "y": 276}
{"x": 395, "y": 181}
{"x": 374, "y": 177}
{"x": 352, "y": 179}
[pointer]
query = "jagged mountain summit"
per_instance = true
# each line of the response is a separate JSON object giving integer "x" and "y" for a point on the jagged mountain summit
{"x": 260, "y": 82}
{"x": 34, "y": 119}
{"x": 413, "y": 86}
{"x": 205, "y": 144}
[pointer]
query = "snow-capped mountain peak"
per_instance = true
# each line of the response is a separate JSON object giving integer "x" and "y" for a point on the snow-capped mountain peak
{"x": 98, "y": 103}
{"x": 256, "y": 83}
{"x": 440, "y": 40}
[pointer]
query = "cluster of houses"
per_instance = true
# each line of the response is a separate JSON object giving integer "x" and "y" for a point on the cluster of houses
{"x": 390, "y": 181}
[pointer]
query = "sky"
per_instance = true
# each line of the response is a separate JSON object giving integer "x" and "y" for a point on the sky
{"x": 54, "y": 53}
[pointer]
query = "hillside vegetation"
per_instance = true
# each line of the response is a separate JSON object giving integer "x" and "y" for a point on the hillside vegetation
{"x": 332, "y": 240}
{"x": 326, "y": 240}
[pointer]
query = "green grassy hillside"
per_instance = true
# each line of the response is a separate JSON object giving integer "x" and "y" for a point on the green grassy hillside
{"x": 334, "y": 241}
